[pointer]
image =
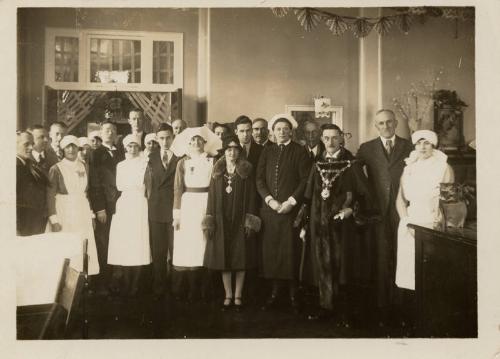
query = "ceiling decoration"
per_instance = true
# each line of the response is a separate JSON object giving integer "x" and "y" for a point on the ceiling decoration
{"x": 403, "y": 19}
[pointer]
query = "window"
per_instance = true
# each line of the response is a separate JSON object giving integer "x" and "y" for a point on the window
{"x": 113, "y": 60}
{"x": 66, "y": 59}
{"x": 115, "y": 55}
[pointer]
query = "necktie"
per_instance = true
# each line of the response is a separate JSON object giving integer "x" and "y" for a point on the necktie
{"x": 164, "y": 160}
{"x": 388, "y": 147}
{"x": 37, "y": 173}
{"x": 311, "y": 154}
{"x": 41, "y": 159}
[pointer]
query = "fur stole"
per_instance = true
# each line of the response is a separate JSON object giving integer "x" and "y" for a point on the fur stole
{"x": 243, "y": 168}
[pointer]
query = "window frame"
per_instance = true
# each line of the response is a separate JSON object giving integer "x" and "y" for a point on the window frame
{"x": 84, "y": 37}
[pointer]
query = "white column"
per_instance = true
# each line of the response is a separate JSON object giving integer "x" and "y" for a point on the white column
{"x": 203, "y": 75}
{"x": 370, "y": 79}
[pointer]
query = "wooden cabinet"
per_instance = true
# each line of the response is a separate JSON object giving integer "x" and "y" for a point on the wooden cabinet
{"x": 446, "y": 282}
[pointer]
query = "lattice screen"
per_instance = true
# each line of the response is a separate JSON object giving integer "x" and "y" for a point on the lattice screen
{"x": 74, "y": 106}
{"x": 156, "y": 105}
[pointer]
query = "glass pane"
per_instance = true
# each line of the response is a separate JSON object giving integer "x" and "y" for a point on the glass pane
{"x": 163, "y": 64}
{"x": 114, "y": 55}
{"x": 66, "y": 59}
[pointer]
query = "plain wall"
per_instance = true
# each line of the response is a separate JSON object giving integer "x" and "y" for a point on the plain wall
{"x": 33, "y": 21}
{"x": 420, "y": 54}
{"x": 260, "y": 63}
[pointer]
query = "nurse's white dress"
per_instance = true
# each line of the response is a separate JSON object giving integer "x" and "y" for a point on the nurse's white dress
{"x": 129, "y": 233}
{"x": 73, "y": 209}
{"x": 189, "y": 242}
{"x": 420, "y": 184}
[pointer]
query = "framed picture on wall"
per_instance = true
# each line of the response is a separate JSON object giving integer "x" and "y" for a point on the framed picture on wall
{"x": 303, "y": 113}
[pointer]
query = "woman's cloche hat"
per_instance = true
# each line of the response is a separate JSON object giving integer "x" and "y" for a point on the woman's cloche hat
{"x": 131, "y": 139}
{"x": 426, "y": 135}
{"x": 68, "y": 140}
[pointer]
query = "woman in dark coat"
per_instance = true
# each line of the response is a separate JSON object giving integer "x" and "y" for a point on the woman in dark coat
{"x": 230, "y": 220}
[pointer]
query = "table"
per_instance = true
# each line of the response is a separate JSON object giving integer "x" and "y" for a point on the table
{"x": 38, "y": 264}
{"x": 446, "y": 282}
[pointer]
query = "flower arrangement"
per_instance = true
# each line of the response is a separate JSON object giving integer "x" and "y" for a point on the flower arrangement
{"x": 457, "y": 192}
{"x": 414, "y": 105}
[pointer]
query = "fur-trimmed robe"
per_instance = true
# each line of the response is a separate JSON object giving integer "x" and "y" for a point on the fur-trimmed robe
{"x": 227, "y": 247}
{"x": 325, "y": 259}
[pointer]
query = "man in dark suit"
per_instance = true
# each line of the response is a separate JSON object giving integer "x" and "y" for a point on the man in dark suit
{"x": 312, "y": 134}
{"x": 39, "y": 155}
{"x": 159, "y": 181}
{"x": 31, "y": 190}
{"x": 178, "y": 125}
{"x": 103, "y": 192}
{"x": 260, "y": 132}
{"x": 136, "y": 122}
{"x": 384, "y": 160}
{"x": 243, "y": 129}
{"x": 251, "y": 151}
{"x": 57, "y": 131}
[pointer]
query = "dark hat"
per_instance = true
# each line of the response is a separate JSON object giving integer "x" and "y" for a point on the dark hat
{"x": 231, "y": 141}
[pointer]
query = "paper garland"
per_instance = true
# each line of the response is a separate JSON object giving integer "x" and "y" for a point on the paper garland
{"x": 310, "y": 18}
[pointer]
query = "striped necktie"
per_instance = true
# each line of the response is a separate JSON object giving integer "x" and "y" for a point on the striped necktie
{"x": 388, "y": 147}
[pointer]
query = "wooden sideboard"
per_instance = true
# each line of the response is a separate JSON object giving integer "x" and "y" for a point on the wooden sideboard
{"x": 446, "y": 282}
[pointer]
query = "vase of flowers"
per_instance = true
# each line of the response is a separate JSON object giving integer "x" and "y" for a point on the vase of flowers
{"x": 454, "y": 199}
{"x": 414, "y": 105}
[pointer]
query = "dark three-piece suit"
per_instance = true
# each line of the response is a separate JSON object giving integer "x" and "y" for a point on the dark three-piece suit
{"x": 384, "y": 173}
{"x": 159, "y": 182}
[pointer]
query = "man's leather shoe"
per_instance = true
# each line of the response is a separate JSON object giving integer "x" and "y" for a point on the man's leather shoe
{"x": 270, "y": 303}
{"x": 294, "y": 303}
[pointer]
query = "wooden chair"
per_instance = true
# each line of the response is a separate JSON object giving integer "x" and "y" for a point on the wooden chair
{"x": 68, "y": 295}
{"x": 51, "y": 320}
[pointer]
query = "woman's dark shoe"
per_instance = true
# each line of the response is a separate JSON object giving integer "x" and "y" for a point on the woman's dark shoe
{"x": 321, "y": 314}
{"x": 238, "y": 304}
{"x": 227, "y": 304}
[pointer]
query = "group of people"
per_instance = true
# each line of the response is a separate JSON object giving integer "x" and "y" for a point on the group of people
{"x": 231, "y": 200}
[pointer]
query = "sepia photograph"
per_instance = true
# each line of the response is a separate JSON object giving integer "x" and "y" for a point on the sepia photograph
{"x": 267, "y": 172}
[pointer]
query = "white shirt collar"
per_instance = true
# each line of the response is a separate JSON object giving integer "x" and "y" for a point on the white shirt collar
{"x": 335, "y": 155}
{"x": 286, "y": 143}
{"x": 313, "y": 150}
{"x": 36, "y": 155}
{"x": 169, "y": 154}
{"x": 112, "y": 147}
{"x": 384, "y": 140}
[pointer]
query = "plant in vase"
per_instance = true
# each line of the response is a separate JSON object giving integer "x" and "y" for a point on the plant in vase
{"x": 414, "y": 105}
{"x": 454, "y": 199}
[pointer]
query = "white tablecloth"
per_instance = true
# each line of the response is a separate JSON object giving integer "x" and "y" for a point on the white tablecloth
{"x": 38, "y": 265}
